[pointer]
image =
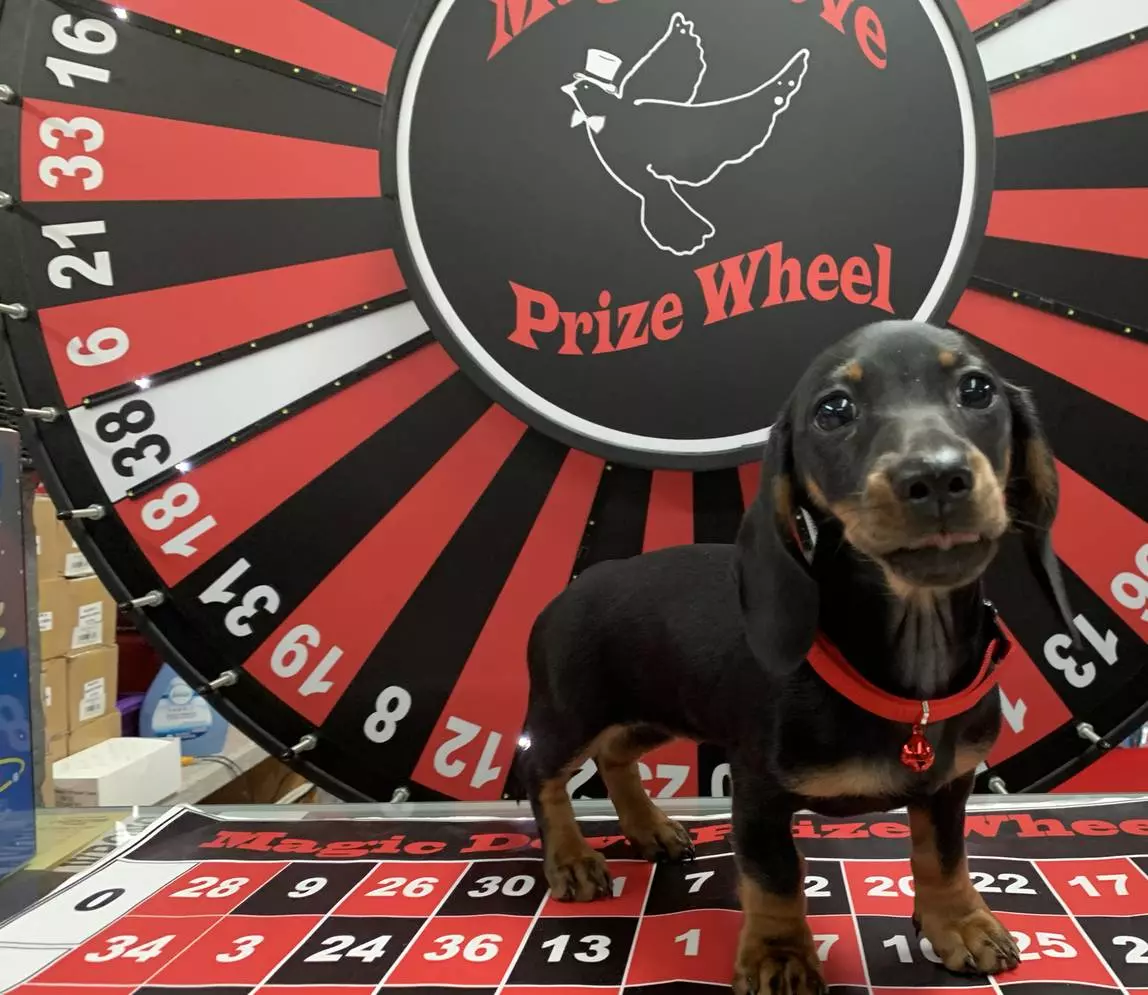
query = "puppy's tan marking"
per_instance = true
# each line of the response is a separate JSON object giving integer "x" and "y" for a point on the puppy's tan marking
{"x": 988, "y": 496}
{"x": 854, "y": 778}
{"x": 783, "y": 501}
{"x": 771, "y": 917}
{"x": 968, "y": 756}
{"x": 849, "y": 514}
{"x": 853, "y": 372}
{"x": 652, "y": 833}
{"x": 902, "y": 589}
{"x": 1040, "y": 470}
{"x": 947, "y": 358}
{"x": 816, "y": 494}
{"x": 952, "y": 914}
{"x": 877, "y": 521}
{"x": 573, "y": 870}
{"x": 775, "y": 951}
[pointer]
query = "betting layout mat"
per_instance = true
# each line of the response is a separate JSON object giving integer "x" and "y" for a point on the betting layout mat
{"x": 355, "y": 906}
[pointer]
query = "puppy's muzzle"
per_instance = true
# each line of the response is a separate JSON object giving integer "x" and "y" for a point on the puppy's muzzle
{"x": 935, "y": 483}
{"x": 943, "y": 513}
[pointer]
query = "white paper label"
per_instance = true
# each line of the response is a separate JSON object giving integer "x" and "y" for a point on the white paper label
{"x": 92, "y": 613}
{"x": 37, "y": 543}
{"x": 45, "y": 621}
{"x": 86, "y": 634}
{"x": 76, "y": 565}
{"x": 47, "y": 695}
{"x": 94, "y": 701}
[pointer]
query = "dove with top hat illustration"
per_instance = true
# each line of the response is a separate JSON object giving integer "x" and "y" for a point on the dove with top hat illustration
{"x": 655, "y": 139}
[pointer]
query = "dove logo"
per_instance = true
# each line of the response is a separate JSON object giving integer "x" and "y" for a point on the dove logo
{"x": 633, "y": 223}
{"x": 651, "y": 102}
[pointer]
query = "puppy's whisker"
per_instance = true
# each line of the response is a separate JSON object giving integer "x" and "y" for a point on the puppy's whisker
{"x": 1023, "y": 521}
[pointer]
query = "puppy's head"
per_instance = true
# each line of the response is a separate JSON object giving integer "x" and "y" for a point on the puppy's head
{"x": 922, "y": 453}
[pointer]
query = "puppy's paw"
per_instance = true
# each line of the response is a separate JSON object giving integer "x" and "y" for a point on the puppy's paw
{"x": 970, "y": 943}
{"x": 777, "y": 969}
{"x": 661, "y": 840}
{"x": 578, "y": 877}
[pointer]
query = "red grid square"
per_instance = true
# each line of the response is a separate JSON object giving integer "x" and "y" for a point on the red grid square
{"x": 1052, "y": 949}
{"x": 880, "y": 887}
{"x": 213, "y": 888}
{"x": 698, "y": 945}
{"x": 240, "y": 950}
{"x": 964, "y": 990}
{"x": 128, "y": 952}
{"x": 462, "y": 950}
{"x": 39, "y": 989}
{"x": 1109, "y": 887}
{"x": 835, "y": 938}
{"x": 402, "y": 888}
{"x": 558, "y": 990}
{"x": 317, "y": 990}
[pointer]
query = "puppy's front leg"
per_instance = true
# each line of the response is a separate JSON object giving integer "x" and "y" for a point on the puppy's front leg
{"x": 573, "y": 870}
{"x": 776, "y": 953}
{"x": 949, "y": 911}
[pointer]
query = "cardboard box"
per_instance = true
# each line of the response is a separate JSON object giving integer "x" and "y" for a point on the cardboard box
{"x": 92, "y": 621}
{"x": 57, "y": 750}
{"x": 264, "y": 784}
{"x": 92, "y": 685}
{"x": 55, "y": 610}
{"x": 54, "y": 689}
{"x": 57, "y": 554}
{"x": 120, "y": 772}
{"x": 50, "y": 539}
{"x": 75, "y": 615}
{"x": 92, "y": 734}
{"x": 75, "y": 563}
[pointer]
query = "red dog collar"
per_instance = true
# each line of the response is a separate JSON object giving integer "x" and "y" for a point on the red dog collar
{"x": 917, "y": 753}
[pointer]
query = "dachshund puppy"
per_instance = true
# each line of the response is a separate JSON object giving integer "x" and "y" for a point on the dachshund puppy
{"x": 847, "y": 672}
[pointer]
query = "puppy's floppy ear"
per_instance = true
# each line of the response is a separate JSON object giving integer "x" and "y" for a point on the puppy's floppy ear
{"x": 779, "y": 598}
{"x": 1033, "y": 492}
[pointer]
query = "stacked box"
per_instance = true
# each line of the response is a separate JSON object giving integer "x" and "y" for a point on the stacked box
{"x": 57, "y": 554}
{"x": 79, "y": 658}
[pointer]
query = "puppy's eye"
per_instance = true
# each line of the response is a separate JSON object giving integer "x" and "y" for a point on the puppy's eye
{"x": 834, "y": 411}
{"x": 976, "y": 391}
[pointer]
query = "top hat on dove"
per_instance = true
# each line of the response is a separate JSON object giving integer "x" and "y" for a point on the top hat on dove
{"x": 601, "y": 68}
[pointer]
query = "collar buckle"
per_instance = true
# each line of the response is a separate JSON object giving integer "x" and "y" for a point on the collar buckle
{"x": 1000, "y": 643}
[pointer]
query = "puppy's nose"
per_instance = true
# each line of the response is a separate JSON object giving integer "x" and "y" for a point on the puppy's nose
{"x": 941, "y": 475}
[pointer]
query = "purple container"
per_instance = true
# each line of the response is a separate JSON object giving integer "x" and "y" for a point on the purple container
{"x": 129, "y": 706}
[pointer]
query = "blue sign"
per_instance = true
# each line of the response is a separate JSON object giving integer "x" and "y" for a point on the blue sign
{"x": 17, "y": 796}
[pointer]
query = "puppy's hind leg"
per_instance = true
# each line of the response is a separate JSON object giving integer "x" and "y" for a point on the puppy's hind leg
{"x": 654, "y": 835}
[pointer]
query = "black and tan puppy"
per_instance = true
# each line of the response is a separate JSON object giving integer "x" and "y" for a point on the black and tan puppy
{"x": 912, "y": 458}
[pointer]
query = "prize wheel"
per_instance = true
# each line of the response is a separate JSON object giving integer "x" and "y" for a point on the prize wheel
{"x": 353, "y": 329}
